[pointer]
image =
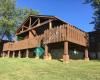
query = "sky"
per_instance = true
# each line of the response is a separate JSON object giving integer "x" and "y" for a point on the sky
{"x": 72, "y": 11}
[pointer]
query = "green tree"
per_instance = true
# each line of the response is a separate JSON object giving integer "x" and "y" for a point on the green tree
{"x": 11, "y": 17}
{"x": 96, "y": 6}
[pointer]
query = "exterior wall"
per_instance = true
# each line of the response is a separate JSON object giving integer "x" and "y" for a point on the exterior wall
{"x": 76, "y": 51}
{"x": 57, "y": 53}
{"x": 77, "y": 55}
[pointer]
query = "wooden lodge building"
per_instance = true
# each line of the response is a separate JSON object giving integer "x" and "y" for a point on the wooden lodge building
{"x": 59, "y": 39}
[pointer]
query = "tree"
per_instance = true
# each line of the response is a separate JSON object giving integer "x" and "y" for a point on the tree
{"x": 96, "y": 6}
{"x": 11, "y": 17}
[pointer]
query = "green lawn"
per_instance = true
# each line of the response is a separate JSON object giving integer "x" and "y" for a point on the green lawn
{"x": 32, "y": 69}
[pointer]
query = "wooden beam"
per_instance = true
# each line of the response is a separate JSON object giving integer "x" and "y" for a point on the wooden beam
{"x": 22, "y": 29}
{"x": 30, "y": 22}
{"x": 38, "y": 21}
{"x": 40, "y": 24}
{"x": 50, "y": 24}
{"x": 25, "y": 27}
{"x": 34, "y": 23}
{"x": 23, "y": 23}
{"x": 35, "y": 26}
{"x": 33, "y": 32}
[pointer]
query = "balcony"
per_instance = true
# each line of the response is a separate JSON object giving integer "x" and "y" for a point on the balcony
{"x": 53, "y": 35}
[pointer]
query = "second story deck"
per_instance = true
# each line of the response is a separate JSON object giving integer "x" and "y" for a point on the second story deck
{"x": 59, "y": 34}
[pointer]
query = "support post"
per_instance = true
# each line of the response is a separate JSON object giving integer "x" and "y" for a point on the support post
{"x": 30, "y": 22}
{"x": 38, "y": 21}
{"x": 50, "y": 24}
{"x": 65, "y": 55}
{"x": 86, "y": 54}
{"x": 8, "y": 54}
{"x": 27, "y": 53}
{"x": 13, "y": 54}
{"x": 19, "y": 54}
{"x": 46, "y": 52}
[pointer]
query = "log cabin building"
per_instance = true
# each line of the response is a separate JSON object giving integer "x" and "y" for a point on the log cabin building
{"x": 59, "y": 39}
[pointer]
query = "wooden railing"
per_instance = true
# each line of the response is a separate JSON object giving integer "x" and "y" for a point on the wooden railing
{"x": 66, "y": 33}
{"x": 7, "y": 46}
{"x": 56, "y": 34}
{"x": 77, "y": 36}
{"x": 23, "y": 44}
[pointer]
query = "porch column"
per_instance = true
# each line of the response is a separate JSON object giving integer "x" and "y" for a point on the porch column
{"x": 19, "y": 54}
{"x": 86, "y": 54}
{"x": 8, "y": 54}
{"x": 46, "y": 52}
{"x": 27, "y": 53}
{"x": 13, "y": 54}
{"x": 65, "y": 55}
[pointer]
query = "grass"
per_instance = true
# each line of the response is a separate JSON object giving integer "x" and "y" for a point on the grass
{"x": 32, "y": 69}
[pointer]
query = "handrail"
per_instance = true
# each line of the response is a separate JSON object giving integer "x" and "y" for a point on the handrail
{"x": 23, "y": 44}
{"x": 55, "y": 34}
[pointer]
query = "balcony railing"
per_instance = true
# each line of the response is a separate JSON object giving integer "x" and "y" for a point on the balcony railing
{"x": 23, "y": 44}
{"x": 54, "y": 35}
{"x": 77, "y": 36}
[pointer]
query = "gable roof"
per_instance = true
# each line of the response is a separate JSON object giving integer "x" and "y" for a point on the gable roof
{"x": 36, "y": 16}
{"x": 48, "y": 17}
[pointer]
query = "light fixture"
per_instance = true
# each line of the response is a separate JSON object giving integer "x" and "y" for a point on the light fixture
{"x": 75, "y": 52}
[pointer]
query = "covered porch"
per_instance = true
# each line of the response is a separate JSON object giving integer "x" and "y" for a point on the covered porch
{"x": 65, "y": 51}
